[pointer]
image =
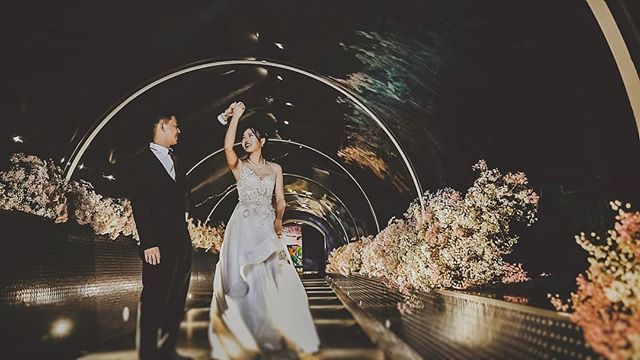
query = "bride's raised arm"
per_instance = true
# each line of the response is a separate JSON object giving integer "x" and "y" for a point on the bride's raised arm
{"x": 236, "y": 110}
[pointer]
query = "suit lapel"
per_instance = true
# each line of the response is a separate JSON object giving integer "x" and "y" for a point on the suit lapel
{"x": 159, "y": 167}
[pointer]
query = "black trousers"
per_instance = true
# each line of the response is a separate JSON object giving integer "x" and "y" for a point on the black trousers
{"x": 161, "y": 308}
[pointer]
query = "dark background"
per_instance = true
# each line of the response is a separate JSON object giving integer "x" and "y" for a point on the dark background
{"x": 528, "y": 86}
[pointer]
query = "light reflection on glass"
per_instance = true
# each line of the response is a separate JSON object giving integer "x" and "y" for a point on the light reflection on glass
{"x": 469, "y": 323}
{"x": 43, "y": 294}
{"x": 61, "y": 328}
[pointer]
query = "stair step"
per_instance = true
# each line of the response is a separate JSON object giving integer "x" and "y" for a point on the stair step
{"x": 354, "y": 353}
{"x": 197, "y": 314}
{"x": 315, "y": 287}
{"x": 315, "y": 282}
{"x": 341, "y": 333}
{"x": 196, "y": 354}
{"x": 194, "y": 334}
{"x": 326, "y": 307}
{"x": 319, "y": 292}
{"x": 330, "y": 313}
{"x": 349, "y": 322}
{"x": 324, "y": 285}
{"x": 342, "y": 336}
{"x": 203, "y": 354}
{"x": 194, "y": 324}
{"x": 324, "y": 300}
{"x": 322, "y": 297}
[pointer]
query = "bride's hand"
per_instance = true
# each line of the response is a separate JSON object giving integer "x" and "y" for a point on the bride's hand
{"x": 277, "y": 226}
{"x": 229, "y": 110}
{"x": 237, "y": 109}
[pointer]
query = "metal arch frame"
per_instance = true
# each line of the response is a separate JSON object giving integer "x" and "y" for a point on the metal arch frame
{"x": 82, "y": 146}
{"x": 307, "y": 222}
{"x": 373, "y": 212}
{"x": 621, "y": 55}
{"x": 231, "y": 189}
{"x": 353, "y": 220}
{"x": 228, "y": 191}
{"x": 344, "y": 231}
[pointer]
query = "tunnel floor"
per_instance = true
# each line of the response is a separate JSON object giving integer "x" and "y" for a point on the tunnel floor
{"x": 341, "y": 337}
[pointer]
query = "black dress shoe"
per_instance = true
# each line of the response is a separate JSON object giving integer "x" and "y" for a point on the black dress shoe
{"x": 175, "y": 356}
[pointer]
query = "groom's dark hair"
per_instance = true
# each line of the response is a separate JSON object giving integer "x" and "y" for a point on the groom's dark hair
{"x": 156, "y": 119}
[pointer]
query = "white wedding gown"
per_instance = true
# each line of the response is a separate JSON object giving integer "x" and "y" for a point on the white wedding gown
{"x": 258, "y": 297}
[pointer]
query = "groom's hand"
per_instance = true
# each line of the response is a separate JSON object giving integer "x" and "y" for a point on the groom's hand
{"x": 229, "y": 110}
{"x": 237, "y": 108}
{"x": 152, "y": 255}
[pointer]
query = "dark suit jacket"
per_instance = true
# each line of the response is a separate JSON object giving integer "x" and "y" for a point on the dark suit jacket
{"x": 159, "y": 204}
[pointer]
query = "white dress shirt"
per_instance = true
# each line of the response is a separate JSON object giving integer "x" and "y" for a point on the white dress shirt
{"x": 162, "y": 153}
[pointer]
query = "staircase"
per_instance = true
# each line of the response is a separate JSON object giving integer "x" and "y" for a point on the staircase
{"x": 340, "y": 335}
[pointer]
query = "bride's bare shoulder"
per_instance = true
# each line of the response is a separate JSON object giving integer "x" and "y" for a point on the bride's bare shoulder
{"x": 274, "y": 167}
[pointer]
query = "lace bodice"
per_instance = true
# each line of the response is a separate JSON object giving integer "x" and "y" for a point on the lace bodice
{"x": 253, "y": 189}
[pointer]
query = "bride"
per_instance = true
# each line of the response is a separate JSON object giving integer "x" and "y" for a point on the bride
{"x": 259, "y": 306}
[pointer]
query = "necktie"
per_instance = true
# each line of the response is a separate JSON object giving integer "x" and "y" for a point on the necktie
{"x": 174, "y": 161}
{"x": 187, "y": 202}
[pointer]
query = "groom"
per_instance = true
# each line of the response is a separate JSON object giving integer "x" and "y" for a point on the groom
{"x": 159, "y": 198}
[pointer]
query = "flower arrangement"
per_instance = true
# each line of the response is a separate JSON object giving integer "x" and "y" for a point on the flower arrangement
{"x": 607, "y": 303}
{"x": 105, "y": 215}
{"x": 350, "y": 259}
{"x": 456, "y": 242}
{"x": 36, "y": 186}
{"x": 204, "y": 237}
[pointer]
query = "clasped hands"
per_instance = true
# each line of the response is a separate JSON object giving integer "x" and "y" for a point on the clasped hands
{"x": 235, "y": 109}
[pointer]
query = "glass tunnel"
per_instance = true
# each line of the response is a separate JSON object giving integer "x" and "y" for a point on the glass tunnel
{"x": 453, "y": 173}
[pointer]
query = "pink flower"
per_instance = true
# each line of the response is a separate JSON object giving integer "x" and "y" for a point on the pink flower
{"x": 457, "y": 242}
{"x": 514, "y": 273}
{"x": 606, "y": 304}
{"x": 516, "y": 179}
{"x": 628, "y": 229}
{"x": 533, "y": 198}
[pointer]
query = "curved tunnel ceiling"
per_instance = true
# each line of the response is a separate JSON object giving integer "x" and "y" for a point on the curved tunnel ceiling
{"x": 311, "y": 122}
{"x": 88, "y": 138}
{"x": 455, "y": 82}
{"x": 302, "y": 195}
{"x": 323, "y": 158}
